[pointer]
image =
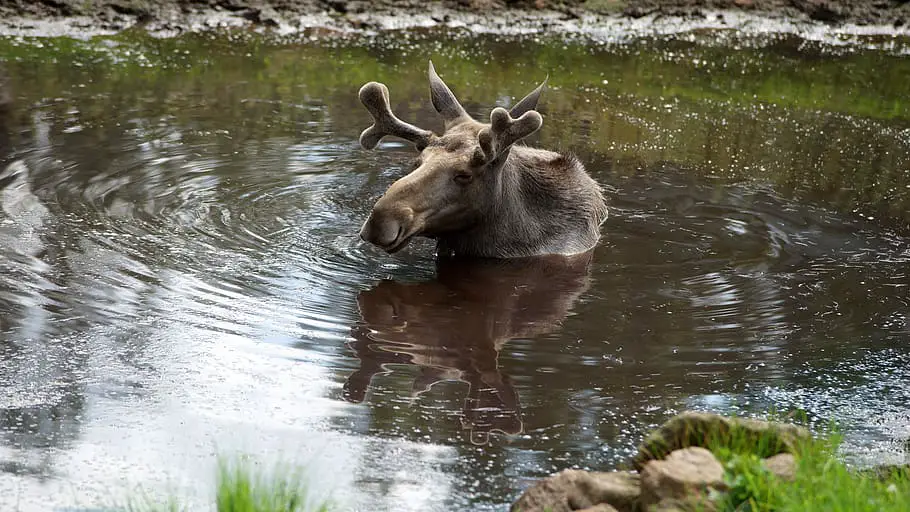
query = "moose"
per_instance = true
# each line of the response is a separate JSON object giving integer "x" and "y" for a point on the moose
{"x": 475, "y": 189}
{"x": 452, "y": 328}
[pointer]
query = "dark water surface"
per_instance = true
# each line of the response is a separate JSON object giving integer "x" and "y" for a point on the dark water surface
{"x": 181, "y": 276}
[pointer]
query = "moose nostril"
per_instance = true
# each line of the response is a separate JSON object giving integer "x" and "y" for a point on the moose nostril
{"x": 388, "y": 232}
{"x": 381, "y": 230}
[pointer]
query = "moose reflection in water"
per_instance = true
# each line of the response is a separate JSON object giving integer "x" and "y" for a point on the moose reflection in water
{"x": 453, "y": 328}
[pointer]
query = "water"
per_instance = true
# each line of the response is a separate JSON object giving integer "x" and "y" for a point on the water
{"x": 182, "y": 276}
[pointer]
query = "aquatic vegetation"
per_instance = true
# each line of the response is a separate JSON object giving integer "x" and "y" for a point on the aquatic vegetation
{"x": 241, "y": 488}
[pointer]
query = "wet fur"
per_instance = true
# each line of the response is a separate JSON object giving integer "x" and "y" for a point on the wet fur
{"x": 548, "y": 204}
{"x": 510, "y": 200}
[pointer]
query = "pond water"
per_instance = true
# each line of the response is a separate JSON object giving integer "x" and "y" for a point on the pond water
{"x": 182, "y": 275}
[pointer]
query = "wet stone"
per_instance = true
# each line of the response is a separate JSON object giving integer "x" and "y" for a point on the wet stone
{"x": 574, "y": 489}
{"x": 683, "y": 473}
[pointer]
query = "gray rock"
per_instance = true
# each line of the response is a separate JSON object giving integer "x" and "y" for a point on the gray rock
{"x": 574, "y": 489}
{"x": 603, "y": 507}
{"x": 684, "y": 473}
{"x": 783, "y": 465}
{"x": 691, "y": 504}
{"x": 263, "y": 15}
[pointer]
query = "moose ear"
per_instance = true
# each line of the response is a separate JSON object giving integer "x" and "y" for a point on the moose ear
{"x": 529, "y": 102}
{"x": 444, "y": 100}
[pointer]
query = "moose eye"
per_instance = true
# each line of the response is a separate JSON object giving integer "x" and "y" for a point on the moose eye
{"x": 463, "y": 178}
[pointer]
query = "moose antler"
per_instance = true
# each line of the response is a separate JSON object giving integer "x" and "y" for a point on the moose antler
{"x": 504, "y": 130}
{"x": 375, "y": 97}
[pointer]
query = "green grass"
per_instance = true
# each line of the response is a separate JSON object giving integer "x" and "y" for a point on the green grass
{"x": 822, "y": 481}
{"x": 240, "y": 488}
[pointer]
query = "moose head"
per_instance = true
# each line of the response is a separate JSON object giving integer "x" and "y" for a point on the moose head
{"x": 473, "y": 188}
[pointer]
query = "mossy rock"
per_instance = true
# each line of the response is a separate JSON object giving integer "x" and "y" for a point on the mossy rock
{"x": 692, "y": 428}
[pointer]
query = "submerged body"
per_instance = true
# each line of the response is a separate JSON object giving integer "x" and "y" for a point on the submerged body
{"x": 478, "y": 193}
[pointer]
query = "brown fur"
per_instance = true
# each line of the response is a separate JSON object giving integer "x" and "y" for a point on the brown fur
{"x": 478, "y": 193}
{"x": 453, "y": 327}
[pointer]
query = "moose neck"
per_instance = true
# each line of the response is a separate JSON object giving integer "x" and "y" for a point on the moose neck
{"x": 543, "y": 202}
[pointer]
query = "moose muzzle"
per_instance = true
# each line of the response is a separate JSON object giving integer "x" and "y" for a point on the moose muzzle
{"x": 390, "y": 229}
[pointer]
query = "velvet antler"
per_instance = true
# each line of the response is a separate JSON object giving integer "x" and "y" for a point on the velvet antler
{"x": 375, "y": 97}
{"x": 504, "y": 130}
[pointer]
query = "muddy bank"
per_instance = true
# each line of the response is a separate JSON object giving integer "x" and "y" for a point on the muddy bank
{"x": 81, "y": 17}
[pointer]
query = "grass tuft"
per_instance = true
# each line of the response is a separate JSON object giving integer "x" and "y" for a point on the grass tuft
{"x": 144, "y": 503}
{"x": 241, "y": 488}
{"x": 240, "y": 491}
{"x": 740, "y": 442}
{"x": 821, "y": 481}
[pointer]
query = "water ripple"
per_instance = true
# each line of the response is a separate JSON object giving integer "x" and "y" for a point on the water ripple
{"x": 184, "y": 258}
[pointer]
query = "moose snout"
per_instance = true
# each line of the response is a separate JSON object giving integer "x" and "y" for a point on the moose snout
{"x": 388, "y": 229}
{"x": 380, "y": 231}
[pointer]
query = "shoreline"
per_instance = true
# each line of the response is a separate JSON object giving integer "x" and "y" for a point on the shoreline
{"x": 602, "y": 19}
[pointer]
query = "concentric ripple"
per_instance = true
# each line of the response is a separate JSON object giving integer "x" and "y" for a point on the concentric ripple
{"x": 181, "y": 271}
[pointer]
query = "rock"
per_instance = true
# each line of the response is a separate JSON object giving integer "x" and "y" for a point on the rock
{"x": 141, "y": 9}
{"x": 339, "y": 6}
{"x": 692, "y": 428}
{"x": 783, "y": 465}
{"x": 603, "y": 507}
{"x": 264, "y": 16}
{"x": 686, "y": 472}
{"x": 691, "y": 504}
{"x": 574, "y": 489}
{"x": 821, "y": 10}
{"x": 636, "y": 11}
{"x": 477, "y": 5}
